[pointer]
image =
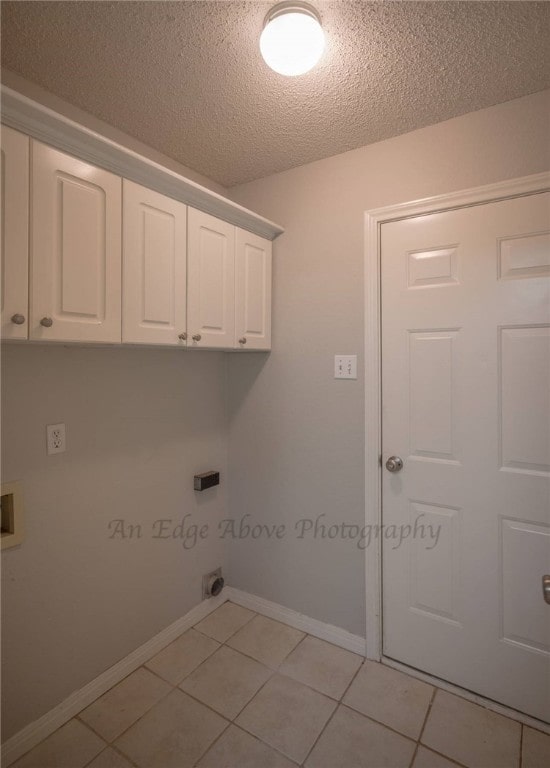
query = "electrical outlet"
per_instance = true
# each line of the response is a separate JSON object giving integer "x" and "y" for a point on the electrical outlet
{"x": 55, "y": 438}
{"x": 345, "y": 366}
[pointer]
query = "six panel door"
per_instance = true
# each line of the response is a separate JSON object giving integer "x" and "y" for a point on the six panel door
{"x": 466, "y": 405}
{"x": 154, "y": 267}
{"x": 76, "y": 250}
{"x": 14, "y": 236}
{"x": 211, "y": 281}
{"x": 252, "y": 291}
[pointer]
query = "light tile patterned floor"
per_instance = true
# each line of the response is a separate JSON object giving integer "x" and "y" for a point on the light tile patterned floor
{"x": 243, "y": 691}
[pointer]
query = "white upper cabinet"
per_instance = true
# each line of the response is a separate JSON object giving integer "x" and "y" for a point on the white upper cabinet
{"x": 76, "y": 250}
{"x": 252, "y": 291}
{"x": 14, "y": 236}
{"x": 211, "y": 282}
{"x": 154, "y": 259}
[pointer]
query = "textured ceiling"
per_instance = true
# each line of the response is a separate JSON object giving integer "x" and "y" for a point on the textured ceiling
{"x": 187, "y": 78}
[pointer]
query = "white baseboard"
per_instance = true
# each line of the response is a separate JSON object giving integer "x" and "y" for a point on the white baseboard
{"x": 319, "y": 629}
{"x": 35, "y": 732}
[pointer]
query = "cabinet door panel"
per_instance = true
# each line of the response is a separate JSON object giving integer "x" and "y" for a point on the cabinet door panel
{"x": 75, "y": 250}
{"x": 252, "y": 291}
{"x": 154, "y": 267}
{"x": 211, "y": 281}
{"x": 14, "y": 236}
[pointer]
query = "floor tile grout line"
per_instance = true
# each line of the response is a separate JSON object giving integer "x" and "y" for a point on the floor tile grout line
{"x": 266, "y": 743}
{"x": 323, "y": 729}
{"x": 223, "y": 642}
{"x": 209, "y": 747}
{"x": 354, "y": 676}
{"x": 305, "y": 634}
{"x": 129, "y": 759}
{"x": 520, "y": 761}
{"x": 112, "y": 741}
{"x": 230, "y": 719}
{"x": 442, "y": 754}
{"x": 117, "y": 751}
{"x": 428, "y": 710}
{"x": 156, "y": 674}
{"x": 227, "y": 726}
{"x": 378, "y": 722}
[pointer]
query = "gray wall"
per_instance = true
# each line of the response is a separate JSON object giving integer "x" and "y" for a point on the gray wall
{"x": 296, "y": 440}
{"x": 140, "y": 423}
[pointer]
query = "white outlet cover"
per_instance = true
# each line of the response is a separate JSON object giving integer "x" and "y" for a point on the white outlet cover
{"x": 345, "y": 366}
{"x": 55, "y": 434}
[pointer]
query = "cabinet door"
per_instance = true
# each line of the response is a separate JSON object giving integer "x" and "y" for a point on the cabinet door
{"x": 252, "y": 291}
{"x": 154, "y": 267}
{"x": 14, "y": 236}
{"x": 211, "y": 281}
{"x": 76, "y": 249}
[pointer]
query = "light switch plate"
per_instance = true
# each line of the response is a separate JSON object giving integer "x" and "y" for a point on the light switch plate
{"x": 345, "y": 366}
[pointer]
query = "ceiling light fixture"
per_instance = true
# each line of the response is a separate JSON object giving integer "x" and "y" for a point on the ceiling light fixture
{"x": 292, "y": 41}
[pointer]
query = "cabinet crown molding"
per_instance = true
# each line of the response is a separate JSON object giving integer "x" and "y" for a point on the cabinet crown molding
{"x": 58, "y": 131}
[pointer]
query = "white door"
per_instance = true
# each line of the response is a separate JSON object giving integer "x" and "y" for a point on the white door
{"x": 466, "y": 406}
{"x": 252, "y": 291}
{"x": 75, "y": 249}
{"x": 154, "y": 276}
{"x": 14, "y": 235}
{"x": 210, "y": 281}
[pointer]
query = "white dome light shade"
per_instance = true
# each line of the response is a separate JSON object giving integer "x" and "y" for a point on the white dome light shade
{"x": 293, "y": 40}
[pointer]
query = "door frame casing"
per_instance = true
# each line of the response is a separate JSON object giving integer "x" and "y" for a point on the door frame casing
{"x": 526, "y": 185}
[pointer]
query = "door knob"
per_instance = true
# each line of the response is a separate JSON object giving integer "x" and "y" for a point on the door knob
{"x": 182, "y": 336}
{"x": 243, "y": 340}
{"x": 18, "y": 319}
{"x": 47, "y": 322}
{"x": 197, "y": 337}
{"x": 394, "y": 464}
{"x": 546, "y": 587}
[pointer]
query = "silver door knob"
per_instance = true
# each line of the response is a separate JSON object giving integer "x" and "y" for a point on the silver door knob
{"x": 197, "y": 337}
{"x": 394, "y": 464}
{"x": 18, "y": 319}
{"x": 546, "y": 587}
{"x": 182, "y": 336}
{"x": 47, "y": 322}
{"x": 243, "y": 340}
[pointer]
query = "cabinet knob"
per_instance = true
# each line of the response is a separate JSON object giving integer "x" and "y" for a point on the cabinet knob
{"x": 197, "y": 337}
{"x": 47, "y": 322}
{"x": 182, "y": 336}
{"x": 18, "y": 319}
{"x": 243, "y": 340}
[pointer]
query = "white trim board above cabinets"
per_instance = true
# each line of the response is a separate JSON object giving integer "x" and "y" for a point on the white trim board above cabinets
{"x": 55, "y": 130}
{"x": 110, "y": 261}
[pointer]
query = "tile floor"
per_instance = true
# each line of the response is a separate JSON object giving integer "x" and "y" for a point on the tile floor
{"x": 243, "y": 691}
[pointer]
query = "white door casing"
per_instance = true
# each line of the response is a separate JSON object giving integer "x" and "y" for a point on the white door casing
{"x": 210, "y": 281}
{"x": 14, "y": 235}
{"x": 252, "y": 291}
{"x": 154, "y": 258}
{"x": 439, "y": 349}
{"x": 75, "y": 264}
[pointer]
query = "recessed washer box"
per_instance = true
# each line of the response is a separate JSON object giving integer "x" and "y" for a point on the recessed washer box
{"x": 12, "y": 530}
